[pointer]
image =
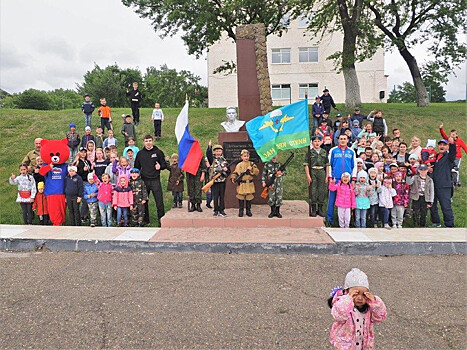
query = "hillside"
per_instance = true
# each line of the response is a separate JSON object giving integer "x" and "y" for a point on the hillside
{"x": 20, "y": 127}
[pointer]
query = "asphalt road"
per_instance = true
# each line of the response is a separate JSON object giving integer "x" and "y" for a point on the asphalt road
{"x": 211, "y": 301}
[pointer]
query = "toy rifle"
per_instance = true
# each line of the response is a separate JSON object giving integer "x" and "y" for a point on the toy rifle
{"x": 270, "y": 182}
{"x": 243, "y": 173}
{"x": 217, "y": 175}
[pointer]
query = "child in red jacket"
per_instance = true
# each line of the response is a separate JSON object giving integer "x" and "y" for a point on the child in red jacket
{"x": 40, "y": 205}
{"x": 123, "y": 201}
{"x": 460, "y": 145}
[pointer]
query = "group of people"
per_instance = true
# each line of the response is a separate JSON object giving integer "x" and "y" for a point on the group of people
{"x": 352, "y": 162}
{"x": 377, "y": 176}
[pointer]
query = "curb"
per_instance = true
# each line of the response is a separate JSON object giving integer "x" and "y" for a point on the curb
{"x": 345, "y": 248}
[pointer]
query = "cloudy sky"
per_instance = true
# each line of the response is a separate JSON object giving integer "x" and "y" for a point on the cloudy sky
{"x": 51, "y": 44}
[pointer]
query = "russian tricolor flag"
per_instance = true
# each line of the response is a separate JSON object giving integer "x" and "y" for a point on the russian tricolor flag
{"x": 189, "y": 150}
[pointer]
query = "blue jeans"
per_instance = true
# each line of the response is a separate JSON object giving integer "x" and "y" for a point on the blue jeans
{"x": 360, "y": 217}
{"x": 331, "y": 201}
{"x": 385, "y": 214}
{"x": 126, "y": 214}
{"x": 106, "y": 214}
{"x": 178, "y": 197}
{"x": 87, "y": 119}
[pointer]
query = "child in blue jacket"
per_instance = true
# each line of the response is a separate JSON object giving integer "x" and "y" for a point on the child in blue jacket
{"x": 90, "y": 196}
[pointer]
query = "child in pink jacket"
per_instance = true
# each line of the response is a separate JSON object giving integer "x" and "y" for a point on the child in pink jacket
{"x": 345, "y": 198}
{"x": 355, "y": 309}
{"x": 122, "y": 200}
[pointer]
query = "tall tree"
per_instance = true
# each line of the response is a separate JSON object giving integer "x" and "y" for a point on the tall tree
{"x": 407, "y": 23}
{"x": 360, "y": 41}
{"x": 110, "y": 82}
{"x": 202, "y": 22}
{"x": 168, "y": 87}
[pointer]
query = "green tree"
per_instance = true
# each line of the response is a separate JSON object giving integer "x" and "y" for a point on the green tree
{"x": 32, "y": 99}
{"x": 65, "y": 99}
{"x": 433, "y": 78}
{"x": 202, "y": 22}
{"x": 408, "y": 23}
{"x": 110, "y": 82}
{"x": 168, "y": 87}
{"x": 404, "y": 93}
{"x": 360, "y": 41}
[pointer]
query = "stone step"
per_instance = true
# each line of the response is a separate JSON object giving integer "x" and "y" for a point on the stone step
{"x": 294, "y": 215}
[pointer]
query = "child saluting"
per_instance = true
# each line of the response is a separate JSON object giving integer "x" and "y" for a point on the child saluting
{"x": 355, "y": 309}
{"x": 245, "y": 186}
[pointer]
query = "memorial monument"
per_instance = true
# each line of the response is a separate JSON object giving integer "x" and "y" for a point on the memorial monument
{"x": 254, "y": 99}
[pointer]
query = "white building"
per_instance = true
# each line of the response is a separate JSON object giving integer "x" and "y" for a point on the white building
{"x": 297, "y": 63}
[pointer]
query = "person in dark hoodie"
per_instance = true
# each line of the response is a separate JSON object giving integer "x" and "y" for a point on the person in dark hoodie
{"x": 74, "y": 190}
{"x": 87, "y": 107}
{"x": 150, "y": 161}
{"x": 135, "y": 100}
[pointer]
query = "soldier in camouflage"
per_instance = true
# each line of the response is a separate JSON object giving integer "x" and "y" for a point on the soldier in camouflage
{"x": 219, "y": 166}
{"x": 194, "y": 184}
{"x": 317, "y": 172}
{"x": 140, "y": 196}
{"x": 271, "y": 169}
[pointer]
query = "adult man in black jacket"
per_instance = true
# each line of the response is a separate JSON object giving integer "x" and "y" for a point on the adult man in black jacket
{"x": 327, "y": 101}
{"x": 441, "y": 175}
{"x": 150, "y": 161}
{"x": 135, "y": 99}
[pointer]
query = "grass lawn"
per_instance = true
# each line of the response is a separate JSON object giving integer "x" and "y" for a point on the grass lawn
{"x": 20, "y": 128}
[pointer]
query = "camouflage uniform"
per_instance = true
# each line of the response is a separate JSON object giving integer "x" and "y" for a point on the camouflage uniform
{"x": 218, "y": 189}
{"x": 194, "y": 183}
{"x": 274, "y": 195}
{"x": 317, "y": 163}
{"x": 139, "y": 194}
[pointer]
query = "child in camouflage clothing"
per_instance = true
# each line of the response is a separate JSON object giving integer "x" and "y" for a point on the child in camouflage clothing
{"x": 140, "y": 196}
{"x": 271, "y": 169}
{"x": 195, "y": 184}
{"x": 219, "y": 168}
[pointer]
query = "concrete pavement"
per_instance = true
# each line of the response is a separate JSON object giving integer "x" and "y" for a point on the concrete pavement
{"x": 68, "y": 300}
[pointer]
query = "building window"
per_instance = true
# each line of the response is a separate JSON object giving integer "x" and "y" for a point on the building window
{"x": 280, "y": 55}
{"x": 281, "y": 92}
{"x": 311, "y": 89}
{"x": 308, "y": 54}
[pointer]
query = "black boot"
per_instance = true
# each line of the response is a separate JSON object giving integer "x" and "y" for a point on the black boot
{"x": 248, "y": 209}
{"x": 320, "y": 211}
{"x": 278, "y": 214}
{"x": 273, "y": 212}
{"x": 313, "y": 210}
{"x": 240, "y": 208}
{"x": 191, "y": 207}
{"x": 198, "y": 208}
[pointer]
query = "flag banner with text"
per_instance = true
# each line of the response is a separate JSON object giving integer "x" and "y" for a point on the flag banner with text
{"x": 283, "y": 128}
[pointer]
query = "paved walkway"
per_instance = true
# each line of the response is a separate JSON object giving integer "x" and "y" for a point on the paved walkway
{"x": 228, "y": 239}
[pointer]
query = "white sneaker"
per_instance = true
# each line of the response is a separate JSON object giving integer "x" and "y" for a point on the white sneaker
{"x": 387, "y": 226}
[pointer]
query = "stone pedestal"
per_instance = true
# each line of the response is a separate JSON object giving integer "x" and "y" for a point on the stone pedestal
{"x": 233, "y": 143}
